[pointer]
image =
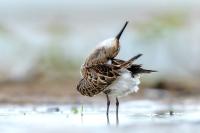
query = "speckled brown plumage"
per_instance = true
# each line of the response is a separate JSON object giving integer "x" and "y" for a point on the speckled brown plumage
{"x": 97, "y": 78}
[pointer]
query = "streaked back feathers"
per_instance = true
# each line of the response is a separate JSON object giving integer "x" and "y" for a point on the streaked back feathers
{"x": 99, "y": 76}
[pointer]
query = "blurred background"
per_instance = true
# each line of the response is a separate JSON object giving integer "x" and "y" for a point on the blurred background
{"x": 43, "y": 43}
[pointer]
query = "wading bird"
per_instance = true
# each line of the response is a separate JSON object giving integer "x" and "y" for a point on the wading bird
{"x": 103, "y": 73}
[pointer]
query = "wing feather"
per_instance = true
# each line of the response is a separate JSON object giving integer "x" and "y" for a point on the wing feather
{"x": 98, "y": 78}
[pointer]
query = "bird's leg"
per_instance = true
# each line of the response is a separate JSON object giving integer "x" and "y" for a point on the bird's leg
{"x": 117, "y": 108}
{"x": 107, "y": 112}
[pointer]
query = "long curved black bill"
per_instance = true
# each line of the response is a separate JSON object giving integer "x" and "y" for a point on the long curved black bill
{"x": 120, "y": 33}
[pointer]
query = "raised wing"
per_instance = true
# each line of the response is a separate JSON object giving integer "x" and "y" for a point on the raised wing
{"x": 121, "y": 63}
{"x": 133, "y": 68}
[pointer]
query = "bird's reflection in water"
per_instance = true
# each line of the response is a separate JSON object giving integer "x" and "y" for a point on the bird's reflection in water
{"x": 108, "y": 119}
{"x": 84, "y": 120}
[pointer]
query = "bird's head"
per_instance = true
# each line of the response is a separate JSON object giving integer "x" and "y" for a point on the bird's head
{"x": 106, "y": 50}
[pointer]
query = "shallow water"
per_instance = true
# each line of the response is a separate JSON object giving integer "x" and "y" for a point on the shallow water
{"x": 140, "y": 116}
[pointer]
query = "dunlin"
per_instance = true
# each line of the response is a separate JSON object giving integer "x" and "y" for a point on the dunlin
{"x": 103, "y": 73}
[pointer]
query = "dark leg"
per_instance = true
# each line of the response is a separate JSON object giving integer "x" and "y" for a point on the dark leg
{"x": 107, "y": 112}
{"x": 117, "y": 108}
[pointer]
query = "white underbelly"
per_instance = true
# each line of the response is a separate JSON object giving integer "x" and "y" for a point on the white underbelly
{"x": 124, "y": 84}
